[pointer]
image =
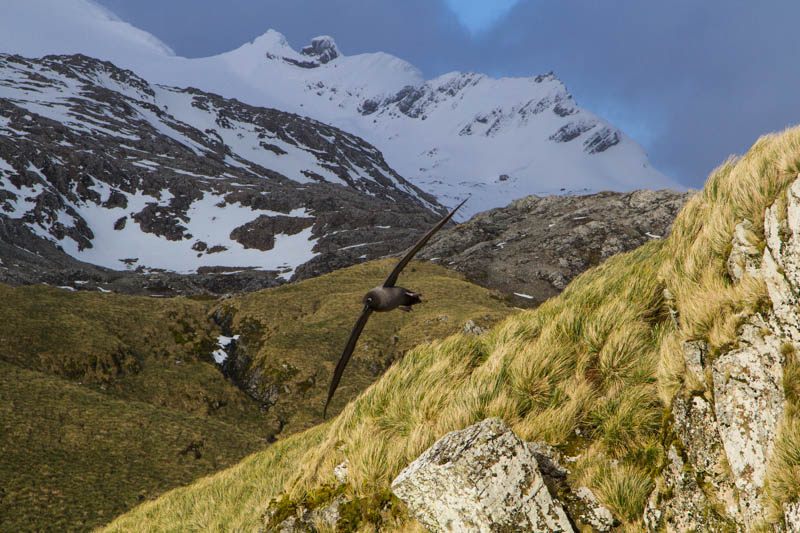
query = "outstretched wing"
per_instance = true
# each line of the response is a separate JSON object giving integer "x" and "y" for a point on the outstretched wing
{"x": 348, "y": 351}
{"x": 392, "y": 279}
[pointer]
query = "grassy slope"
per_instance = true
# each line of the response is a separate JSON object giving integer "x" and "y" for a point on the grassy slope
{"x": 603, "y": 357}
{"x": 136, "y": 348}
{"x": 105, "y": 390}
{"x": 99, "y": 395}
{"x": 73, "y": 458}
{"x": 294, "y": 334}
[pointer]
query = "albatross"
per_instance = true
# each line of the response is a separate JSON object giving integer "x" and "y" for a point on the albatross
{"x": 384, "y": 297}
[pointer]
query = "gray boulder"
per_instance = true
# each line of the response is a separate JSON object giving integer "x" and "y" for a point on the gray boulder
{"x": 482, "y": 479}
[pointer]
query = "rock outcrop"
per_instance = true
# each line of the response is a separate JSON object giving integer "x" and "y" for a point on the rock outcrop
{"x": 727, "y": 423}
{"x": 532, "y": 248}
{"x": 483, "y": 478}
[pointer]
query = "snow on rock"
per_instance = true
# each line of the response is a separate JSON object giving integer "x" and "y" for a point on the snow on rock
{"x": 125, "y": 174}
{"x": 460, "y": 133}
{"x": 483, "y": 478}
{"x": 220, "y": 355}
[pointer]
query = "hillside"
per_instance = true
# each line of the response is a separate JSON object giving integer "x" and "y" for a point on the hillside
{"x": 109, "y": 400}
{"x": 112, "y": 170}
{"x": 603, "y": 372}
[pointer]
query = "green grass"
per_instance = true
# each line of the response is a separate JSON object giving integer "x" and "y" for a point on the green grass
{"x": 143, "y": 349}
{"x": 73, "y": 458}
{"x": 121, "y": 384}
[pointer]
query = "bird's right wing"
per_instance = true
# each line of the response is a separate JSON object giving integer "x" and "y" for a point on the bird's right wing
{"x": 345, "y": 357}
{"x": 392, "y": 279}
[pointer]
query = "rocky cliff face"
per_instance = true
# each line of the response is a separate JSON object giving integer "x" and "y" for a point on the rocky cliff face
{"x": 727, "y": 416}
{"x": 117, "y": 172}
{"x": 533, "y": 247}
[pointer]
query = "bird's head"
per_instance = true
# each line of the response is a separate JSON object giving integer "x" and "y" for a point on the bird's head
{"x": 371, "y": 299}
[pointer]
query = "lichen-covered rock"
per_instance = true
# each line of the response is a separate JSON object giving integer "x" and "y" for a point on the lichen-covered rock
{"x": 482, "y": 478}
{"x": 744, "y": 256}
{"x": 595, "y": 514}
{"x": 471, "y": 328}
{"x": 696, "y": 427}
{"x": 310, "y": 520}
{"x": 748, "y": 403}
{"x": 693, "y": 355}
{"x": 791, "y": 514}
{"x": 680, "y": 505}
{"x": 340, "y": 471}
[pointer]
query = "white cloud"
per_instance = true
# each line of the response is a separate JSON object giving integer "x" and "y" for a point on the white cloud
{"x": 42, "y": 27}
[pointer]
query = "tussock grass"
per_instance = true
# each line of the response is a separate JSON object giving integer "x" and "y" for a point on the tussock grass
{"x": 783, "y": 474}
{"x": 591, "y": 371}
{"x": 544, "y": 371}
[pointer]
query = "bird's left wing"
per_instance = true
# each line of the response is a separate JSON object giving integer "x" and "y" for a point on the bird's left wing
{"x": 392, "y": 279}
{"x": 348, "y": 351}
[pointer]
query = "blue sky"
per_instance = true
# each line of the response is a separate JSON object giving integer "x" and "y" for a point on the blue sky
{"x": 693, "y": 82}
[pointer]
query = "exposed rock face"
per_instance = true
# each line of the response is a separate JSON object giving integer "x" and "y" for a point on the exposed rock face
{"x": 323, "y": 48}
{"x": 535, "y": 246}
{"x": 728, "y": 428}
{"x": 483, "y": 478}
{"x": 749, "y": 400}
{"x": 686, "y": 508}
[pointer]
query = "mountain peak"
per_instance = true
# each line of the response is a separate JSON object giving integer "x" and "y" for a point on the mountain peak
{"x": 323, "y": 48}
{"x": 271, "y": 40}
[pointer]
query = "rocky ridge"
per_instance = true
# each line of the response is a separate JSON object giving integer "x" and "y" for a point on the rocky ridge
{"x": 728, "y": 414}
{"x": 532, "y": 248}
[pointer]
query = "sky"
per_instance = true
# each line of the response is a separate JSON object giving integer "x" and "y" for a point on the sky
{"x": 692, "y": 82}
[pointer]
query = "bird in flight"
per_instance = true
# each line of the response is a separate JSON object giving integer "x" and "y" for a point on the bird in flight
{"x": 384, "y": 297}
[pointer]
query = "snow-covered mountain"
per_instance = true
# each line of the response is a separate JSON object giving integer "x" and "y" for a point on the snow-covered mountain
{"x": 460, "y": 133}
{"x": 122, "y": 173}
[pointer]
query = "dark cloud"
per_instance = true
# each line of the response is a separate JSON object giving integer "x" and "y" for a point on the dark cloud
{"x": 692, "y": 81}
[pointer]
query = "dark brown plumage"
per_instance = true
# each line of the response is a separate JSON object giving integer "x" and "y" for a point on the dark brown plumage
{"x": 382, "y": 298}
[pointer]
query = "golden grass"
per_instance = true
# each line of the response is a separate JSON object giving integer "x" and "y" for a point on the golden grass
{"x": 603, "y": 358}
